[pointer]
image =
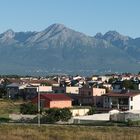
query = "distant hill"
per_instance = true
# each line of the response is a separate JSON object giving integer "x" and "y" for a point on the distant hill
{"x": 58, "y": 49}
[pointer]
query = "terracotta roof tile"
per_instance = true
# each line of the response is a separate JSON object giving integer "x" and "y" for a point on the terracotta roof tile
{"x": 114, "y": 94}
{"x": 55, "y": 97}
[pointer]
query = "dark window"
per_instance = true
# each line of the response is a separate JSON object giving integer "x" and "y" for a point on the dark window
{"x": 131, "y": 107}
{"x": 89, "y": 93}
{"x": 131, "y": 98}
{"x": 62, "y": 91}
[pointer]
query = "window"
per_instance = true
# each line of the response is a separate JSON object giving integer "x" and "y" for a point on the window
{"x": 131, "y": 98}
{"x": 131, "y": 107}
{"x": 89, "y": 93}
{"x": 106, "y": 99}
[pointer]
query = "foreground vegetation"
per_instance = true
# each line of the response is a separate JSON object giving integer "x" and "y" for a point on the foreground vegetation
{"x": 9, "y": 106}
{"x": 53, "y": 132}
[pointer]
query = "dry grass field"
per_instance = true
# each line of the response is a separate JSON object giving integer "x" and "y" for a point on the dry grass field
{"x": 58, "y": 132}
{"x": 54, "y": 132}
{"x": 8, "y": 106}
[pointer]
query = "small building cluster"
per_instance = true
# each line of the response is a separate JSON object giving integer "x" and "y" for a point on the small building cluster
{"x": 107, "y": 92}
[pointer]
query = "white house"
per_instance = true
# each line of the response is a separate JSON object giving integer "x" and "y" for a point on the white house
{"x": 122, "y": 101}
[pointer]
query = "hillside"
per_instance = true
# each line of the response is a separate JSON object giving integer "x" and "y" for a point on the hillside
{"x": 58, "y": 49}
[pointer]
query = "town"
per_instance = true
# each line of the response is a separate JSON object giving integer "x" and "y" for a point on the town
{"x": 111, "y": 97}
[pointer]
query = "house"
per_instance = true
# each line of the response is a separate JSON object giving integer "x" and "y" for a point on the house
{"x": 42, "y": 82}
{"x": 14, "y": 90}
{"x": 51, "y": 100}
{"x": 125, "y": 100}
{"x": 59, "y": 89}
{"x": 131, "y": 84}
{"x": 45, "y": 88}
{"x": 91, "y": 96}
{"x": 104, "y": 78}
{"x": 30, "y": 92}
{"x": 72, "y": 89}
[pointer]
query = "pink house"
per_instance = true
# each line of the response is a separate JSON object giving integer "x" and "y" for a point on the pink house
{"x": 54, "y": 101}
{"x": 91, "y": 96}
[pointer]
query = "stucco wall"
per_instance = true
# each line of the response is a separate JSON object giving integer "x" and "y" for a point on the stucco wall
{"x": 136, "y": 102}
{"x": 60, "y": 104}
{"x": 79, "y": 112}
{"x": 98, "y": 91}
{"x": 73, "y": 90}
{"x": 45, "y": 88}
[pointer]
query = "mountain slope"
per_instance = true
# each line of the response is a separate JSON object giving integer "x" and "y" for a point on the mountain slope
{"x": 58, "y": 49}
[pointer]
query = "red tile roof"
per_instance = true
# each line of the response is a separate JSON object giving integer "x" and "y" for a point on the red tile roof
{"x": 114, "y": 94}
{"x": 55, "y": 97}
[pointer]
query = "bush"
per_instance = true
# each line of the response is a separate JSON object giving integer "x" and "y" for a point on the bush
{"x": 91, "y": 111}
{"x": 28, "y": 108}
{"x": 132, "y": 123}
{"x": 129, "y": 122}
{"x": 65, "y": 114}
{"x": 54, "y": 114}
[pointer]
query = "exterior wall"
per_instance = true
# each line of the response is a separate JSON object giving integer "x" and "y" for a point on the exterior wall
{"x": 108, "y": 86}
{"x": 79, "y": 112}
{"x": 133, "y": 102}
{"x": 98, "y": 91}
{"x": 12, "y": 92}
{"x": 138, "y": 86}
{"x": 51, "y": 104}
{"x": 86, "y": 100}
{"x": 94, "y": 78}
{"x": 73, "y": 90}
{"x": 60, "y": 104}
{"x": 136, "y": 103}
{"x": 126, "y": 78}
{"x": 91, "y": 96}
{"x": 130, "y": 103}
{"x": 30, "y": 89}
{"x": 30, "y": 92}
{"x": 98, "y": 101}
{"x": 123, "y": 117}
{"x": 45, "y": 88}
{"x": 86, "y": 91}
{"x": 106, "y": 102}
{"x": 59, "y": 89}
{"x": 43, "y": 102}
{"x": 104, "y": 78}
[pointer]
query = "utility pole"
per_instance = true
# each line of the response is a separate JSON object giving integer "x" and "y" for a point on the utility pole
{"x": 38, "y": 107}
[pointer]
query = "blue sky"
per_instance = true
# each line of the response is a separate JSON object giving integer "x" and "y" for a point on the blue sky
{"x": 87, "y": 16}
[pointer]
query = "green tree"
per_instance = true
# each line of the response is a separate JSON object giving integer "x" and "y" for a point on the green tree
{"x": 52, "y": 115}
{"x": 55, "y": 114}
{"x": 2, "y": 92}
{"x": 65, "y": 114}
{"x": 111, "y": 80}
{"x": 128, "y": 84}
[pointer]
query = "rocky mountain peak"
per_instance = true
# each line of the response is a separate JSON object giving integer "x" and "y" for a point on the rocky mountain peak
{"x": 99, "y": 36}
{"x": 55, "y": 28}
{"x": 9, "y": 33}
{"x": 113, "y": 36}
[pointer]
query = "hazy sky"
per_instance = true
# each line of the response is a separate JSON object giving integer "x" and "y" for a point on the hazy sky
{"x": 88, "y": 16}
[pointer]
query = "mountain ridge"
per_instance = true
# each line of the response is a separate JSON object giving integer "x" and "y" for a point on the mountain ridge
{"x": 61, "y": 49}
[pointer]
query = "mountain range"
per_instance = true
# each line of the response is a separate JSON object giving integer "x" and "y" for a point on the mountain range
{"x": 59, "y": 49}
